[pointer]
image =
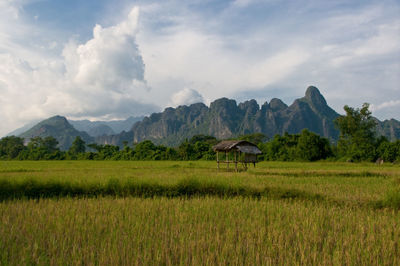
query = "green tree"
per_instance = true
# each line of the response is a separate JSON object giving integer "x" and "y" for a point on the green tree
{"x": 186, "y": 151}
{"x": 280, "y": 148}
{"x": 312, "y": 147}
{"x": 172, "y": 154}
{"x": 50, "y": 144}
{"x": 255, "y": 138}
{"x": 203, "y": 138}
{"x": 144, "y": 150}
{"x": 198, "y": 147}
{"x": 95, "y": 146}
{"x": 107, "y": 152}
{"x": 126, "y": 153}
{"x": 306, "y": 146}
{"x": 78, "y": 146}
{"x": 389, "y": 151}
{"x": 11, "y": 147}
{"x": 39, "y": 149}
{"x": 357, "y": 134}
{"x": 35, "y": 150}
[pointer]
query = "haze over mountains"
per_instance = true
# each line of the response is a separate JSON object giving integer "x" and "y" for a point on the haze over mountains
{"x": 59, "y": 128}
{"x": 223, "y": 119}
{"x": 65, "y": 130}
{"x": 99, "y": 128}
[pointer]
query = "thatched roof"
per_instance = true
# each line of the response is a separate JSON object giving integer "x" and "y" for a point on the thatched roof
{"x": 238, "y": 145}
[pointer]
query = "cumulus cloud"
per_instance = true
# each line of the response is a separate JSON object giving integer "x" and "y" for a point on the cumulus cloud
{"x": 386, "y": 110}
{"x": 188, "y": 58}
{"x": 107, "y": 72}
{"x": 242, "y": 3}
{"x": 243, "y": 47}
{"x": 186, "y": 97}
{"x": 10, "y": 9}
{"x": 384, "y": 105}
{"x": 346, "y": 50}
{"x": 384, "y": 40}
{"x": 245, "y": 3}
{"x": 101, "y": 79}
{"x": 111, "y": 59}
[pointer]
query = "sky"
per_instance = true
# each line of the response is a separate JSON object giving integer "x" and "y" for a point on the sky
{"x": 105, "y": 60}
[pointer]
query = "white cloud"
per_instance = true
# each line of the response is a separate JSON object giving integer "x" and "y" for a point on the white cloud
{"x": 102, "y": 78}
{"x": 347, "y": 52}
{"x": 10, "y": 9}
{"x": 385, "y": 105}
{"x": 351, "y": 52}
{"x": 189, "y": 58}
{"x": 384, "y": 40}
{"x": 111, "y": 60}
{"x": 242, "y": 3}
{"x": 186, "y": 97}
{"x": 274, "y": 68}
{"x": 246, "y": 3}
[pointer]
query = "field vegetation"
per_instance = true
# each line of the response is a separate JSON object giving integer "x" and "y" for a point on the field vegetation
{"x": 187, "y": 212}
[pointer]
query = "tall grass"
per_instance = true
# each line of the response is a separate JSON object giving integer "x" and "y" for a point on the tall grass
{"x": 337, "y": 181}
{"x": 188, "y": 213}
{"x": 350, "y": 184}
{"x": 187, "y": 187}
{"x": 196, "y": 231}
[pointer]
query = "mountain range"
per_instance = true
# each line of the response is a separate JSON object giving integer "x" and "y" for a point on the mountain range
{"x": 65, "y": 131}
{"x": 93, "y": 128}
{"x": 99, "y": 128}
{"x": 59, "y": 128}
{"x": 223, "y": 119}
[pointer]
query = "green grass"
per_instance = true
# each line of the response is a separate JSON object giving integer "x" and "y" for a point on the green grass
{"x": 189, "y": 187}
{"x": 354, "y": 184}
{"x": 188, "y": 213}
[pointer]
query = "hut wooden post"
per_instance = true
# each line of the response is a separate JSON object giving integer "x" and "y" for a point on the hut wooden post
{"x": 235, "y": 163}
{"x": 239, "y": 148}
{"x": 227, "y": 160}
{"x": 217, "y": 161}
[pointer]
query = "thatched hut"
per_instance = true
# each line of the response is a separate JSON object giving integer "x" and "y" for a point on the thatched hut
{"x": 242, "y": 151}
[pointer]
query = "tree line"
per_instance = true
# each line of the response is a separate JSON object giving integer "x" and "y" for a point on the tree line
{"x": 197, "y": 148}
{"x": 357, "y": 142}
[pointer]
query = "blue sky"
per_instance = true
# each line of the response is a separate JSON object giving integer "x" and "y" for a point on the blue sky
{"x": 113, "y": 59}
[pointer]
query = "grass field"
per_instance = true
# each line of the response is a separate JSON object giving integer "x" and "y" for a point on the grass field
{"x": 107, "y": 212}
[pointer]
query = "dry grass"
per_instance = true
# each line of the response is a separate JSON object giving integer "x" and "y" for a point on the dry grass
{"x": 109, "y": 231}
{"x": 341, "y": 228}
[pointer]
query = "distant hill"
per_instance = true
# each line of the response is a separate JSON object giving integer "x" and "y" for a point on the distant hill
{"x": 389, "y": 128}
{"x": 100, "y": 128}
{"x": 59, "y": 128}
{"x": 226, "y": 119}
{"x": 223, "y": 119}
{"x": 22, "y": 129}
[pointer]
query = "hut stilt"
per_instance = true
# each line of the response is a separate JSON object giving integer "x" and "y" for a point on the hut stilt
{"x": 249, "y": 150}
{"x": 217, "y": 161}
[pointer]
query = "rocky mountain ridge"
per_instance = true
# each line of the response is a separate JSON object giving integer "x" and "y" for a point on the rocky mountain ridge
{"x": 100, "y": 128}
{"x": 59, "y": 128}
{"x": 93, "y": 128}
{"x": 226, "y": 119}
{"x": 223, "y": 119}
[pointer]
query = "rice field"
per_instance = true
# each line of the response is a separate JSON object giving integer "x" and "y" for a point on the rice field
{"x": 188, "y": 213}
